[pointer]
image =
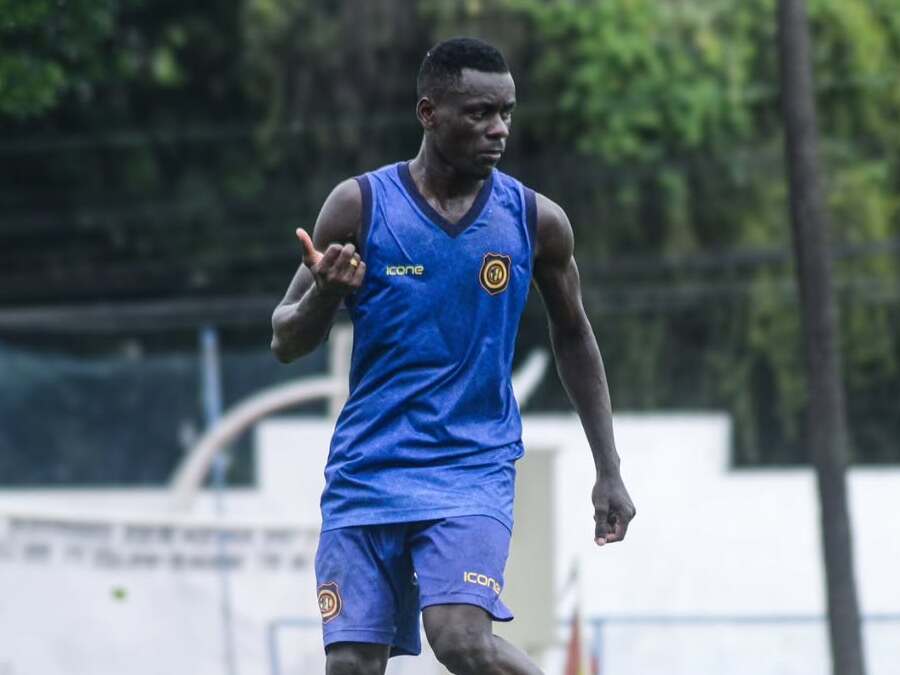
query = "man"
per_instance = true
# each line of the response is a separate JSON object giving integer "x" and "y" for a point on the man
{"x": 433, "y": 258}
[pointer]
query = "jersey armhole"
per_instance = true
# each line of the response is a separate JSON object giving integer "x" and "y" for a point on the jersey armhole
{"x": 531, "y": 218}
{"x": 365, "y": 189}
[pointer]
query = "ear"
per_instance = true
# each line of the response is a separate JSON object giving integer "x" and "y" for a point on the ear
{"x": 426, "y": 111}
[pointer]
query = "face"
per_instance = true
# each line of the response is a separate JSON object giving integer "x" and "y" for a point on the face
{"x": 468, "y": 126}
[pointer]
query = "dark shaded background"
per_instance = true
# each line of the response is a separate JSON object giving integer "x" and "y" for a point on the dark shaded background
{"x": 155, "y": 159}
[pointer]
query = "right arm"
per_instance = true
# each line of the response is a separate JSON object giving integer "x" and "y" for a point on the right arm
{"x": 304, "y": 316}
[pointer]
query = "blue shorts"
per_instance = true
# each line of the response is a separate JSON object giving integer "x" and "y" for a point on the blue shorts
{"x": 374, "y": 580}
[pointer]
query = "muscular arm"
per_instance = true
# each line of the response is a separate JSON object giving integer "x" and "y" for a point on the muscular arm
{"x": 580, "y": 365}
{"x": 302, "y": 319}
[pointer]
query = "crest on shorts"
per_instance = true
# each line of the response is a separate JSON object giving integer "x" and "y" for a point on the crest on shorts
{"x": 494, "y": 275}
{"x": 329, "y": 601}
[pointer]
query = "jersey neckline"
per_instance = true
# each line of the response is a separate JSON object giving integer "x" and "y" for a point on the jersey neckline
{"x": 452, "y": 229}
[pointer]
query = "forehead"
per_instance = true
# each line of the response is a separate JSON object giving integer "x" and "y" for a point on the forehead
{"x": 476, "y": 84}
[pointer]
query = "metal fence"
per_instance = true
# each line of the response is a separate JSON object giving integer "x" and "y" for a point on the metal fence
{"x": 805, "y": 649}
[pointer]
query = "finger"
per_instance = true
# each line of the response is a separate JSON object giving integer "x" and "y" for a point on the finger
{"x": 348, "y": 252}
{"x": 346, "y": 269}
{"x": 619, "y": 526}
{"x": 601, "y": 525}
{"x": 310, "y": 255}
{"x": 330, "y": 257}
{"x": 359, "y": 274}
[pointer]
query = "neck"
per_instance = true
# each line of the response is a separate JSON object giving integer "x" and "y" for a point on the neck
{"x": 434, "y": 176}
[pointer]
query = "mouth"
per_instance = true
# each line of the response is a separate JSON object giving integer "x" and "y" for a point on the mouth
{"x": 493, "y": 155}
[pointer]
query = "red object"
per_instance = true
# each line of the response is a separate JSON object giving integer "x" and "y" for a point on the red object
{"x": 573, "y": 653}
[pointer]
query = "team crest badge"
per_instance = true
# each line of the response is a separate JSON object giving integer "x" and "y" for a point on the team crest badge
{"x": 329, "y": 601}
{"x": 494, "y": 275}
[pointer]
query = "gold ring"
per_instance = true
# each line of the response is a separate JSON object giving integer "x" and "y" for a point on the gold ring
{"x": 354, "y": 262}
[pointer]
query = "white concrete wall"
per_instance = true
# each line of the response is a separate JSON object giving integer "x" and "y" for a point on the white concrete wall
{"x": 708, "y": 540}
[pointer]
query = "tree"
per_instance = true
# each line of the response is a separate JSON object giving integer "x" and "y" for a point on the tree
{"x": 47, "y": 48}
{"x": 169, "y": 149}
{"x": 826, "y": 433}
{"x": 674, "y": 108}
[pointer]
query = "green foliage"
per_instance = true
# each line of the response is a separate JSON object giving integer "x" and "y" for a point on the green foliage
{"x": 635, "y": 79}
{"x": 47, "y": 47}
{"x": 650, "y": 88}
{"x": 175, "y": 146}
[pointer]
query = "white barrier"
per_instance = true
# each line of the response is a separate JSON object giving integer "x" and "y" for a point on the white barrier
{"x": 99, "y": 595}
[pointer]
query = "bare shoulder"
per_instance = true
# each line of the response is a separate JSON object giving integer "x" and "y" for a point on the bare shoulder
{"x": 555, "y": 239}
{"x": 340, "y": 219}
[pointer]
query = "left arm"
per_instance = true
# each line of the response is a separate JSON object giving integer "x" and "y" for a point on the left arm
{"x": 580, "y": 365}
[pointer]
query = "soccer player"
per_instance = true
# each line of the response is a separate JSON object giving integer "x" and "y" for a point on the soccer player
{"x": 433, "y": 258}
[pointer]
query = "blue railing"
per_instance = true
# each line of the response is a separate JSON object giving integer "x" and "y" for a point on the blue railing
{"x": 599, "y": 624}
{"x": 272, "y": 638}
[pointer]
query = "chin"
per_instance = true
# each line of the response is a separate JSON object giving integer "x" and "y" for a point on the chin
{"x": 483, "y": 170}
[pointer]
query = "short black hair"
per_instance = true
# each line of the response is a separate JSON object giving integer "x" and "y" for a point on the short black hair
{"x": 443, "y": 64}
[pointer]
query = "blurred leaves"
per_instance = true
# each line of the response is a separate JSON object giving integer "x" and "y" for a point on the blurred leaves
{"x": 681, "y": 98}
{"x": 635, "y": 79}
{"x": 48, "y": 47}
{"x": 171, "y": 148}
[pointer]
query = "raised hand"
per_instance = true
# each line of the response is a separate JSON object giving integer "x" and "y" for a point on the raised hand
{"x": 338, "y": 271}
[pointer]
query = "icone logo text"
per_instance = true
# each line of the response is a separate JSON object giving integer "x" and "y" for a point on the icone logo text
{"x": 405, "y": 270}
{"x": 482, "y": 580}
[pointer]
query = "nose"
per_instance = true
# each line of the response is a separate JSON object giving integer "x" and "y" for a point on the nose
{"x": 498, "y": 129}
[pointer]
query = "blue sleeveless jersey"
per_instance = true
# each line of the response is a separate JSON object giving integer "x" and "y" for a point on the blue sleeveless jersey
{"x": 431, "y": 428}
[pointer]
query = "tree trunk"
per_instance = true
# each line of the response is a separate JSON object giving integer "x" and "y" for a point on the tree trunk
{"x": 826, "y": 437}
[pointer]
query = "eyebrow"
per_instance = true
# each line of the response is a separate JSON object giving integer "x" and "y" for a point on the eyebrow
{"x": 489, "y": 103}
